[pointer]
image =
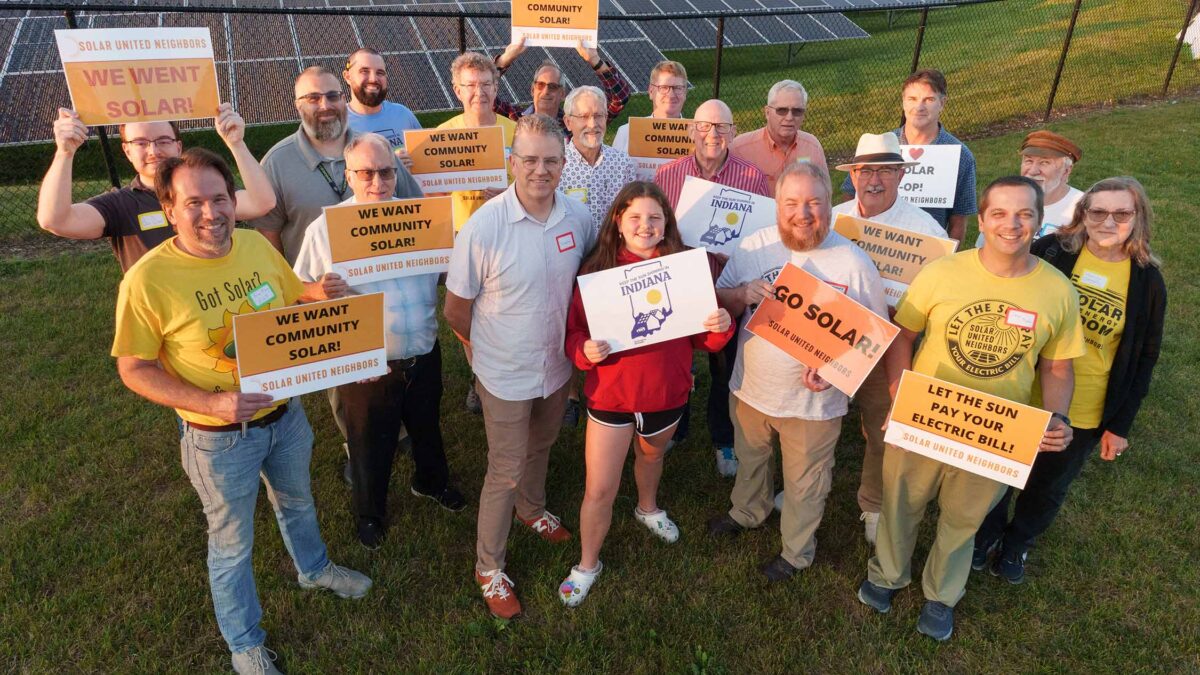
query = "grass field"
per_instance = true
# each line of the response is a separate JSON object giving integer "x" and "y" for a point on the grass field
{"x": 102, "y": 542}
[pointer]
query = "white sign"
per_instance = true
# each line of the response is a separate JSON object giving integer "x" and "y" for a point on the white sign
{"x": 931, "y": 184}
{"x": 650, "y": 301}
{"x": 717, "y": 218}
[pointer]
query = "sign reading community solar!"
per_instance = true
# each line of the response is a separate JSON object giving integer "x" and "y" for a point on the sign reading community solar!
{"x": 933, "y": 181}
{"x": 654, "y": 142}
{"x": 120, "y": 75}
{"x": 823, "y": 328}
{"x": 303, "y": 348}
{"x": 898, "y": 253}
{"x": 555, "y": 24}
{"x": 447, "y": 160}
{"x": 718, "y": 218}
{"x": 385, "y": 240}
{"x": 977, "y": 432}
{"x": 651, "y": 301}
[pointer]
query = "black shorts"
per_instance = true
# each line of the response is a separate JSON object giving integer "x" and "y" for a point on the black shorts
{"x": 645, "y": 424}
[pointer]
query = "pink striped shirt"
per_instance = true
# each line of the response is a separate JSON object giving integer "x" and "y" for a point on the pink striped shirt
{"x": 736, "y": 173}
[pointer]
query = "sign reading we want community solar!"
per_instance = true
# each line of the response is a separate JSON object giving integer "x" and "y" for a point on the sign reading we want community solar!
{"x": 555, "y": 23}
{"x": 394, "y": 238}
{"x": 121, "y": 75}
{"x": 446, "y": 160}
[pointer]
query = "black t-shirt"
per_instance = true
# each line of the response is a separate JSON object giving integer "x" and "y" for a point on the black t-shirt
{"x": 133, "y": 220}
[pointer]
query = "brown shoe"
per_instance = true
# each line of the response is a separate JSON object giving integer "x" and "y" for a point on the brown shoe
{"x": 548, "y": 527}
{"x": 498, "y": 594}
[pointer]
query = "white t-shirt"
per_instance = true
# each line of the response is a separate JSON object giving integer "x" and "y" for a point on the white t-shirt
{"x": 1055, "y": 215}
{"x": 902, "y": 215}
{"x": 764, "y": 376}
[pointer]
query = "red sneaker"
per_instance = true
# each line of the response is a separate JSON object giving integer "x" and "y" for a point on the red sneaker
{"x": 548, "y": 527}
{"x": 498, "y": 594}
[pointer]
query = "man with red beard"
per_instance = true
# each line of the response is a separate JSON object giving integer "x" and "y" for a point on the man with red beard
{"x": 369, "y": 110}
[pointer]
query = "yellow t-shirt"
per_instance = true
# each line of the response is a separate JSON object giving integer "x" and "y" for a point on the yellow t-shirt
{"x": 987, "y": 332}
{"x": 1103, "y": 287}
{"x": 466, "y": 202}
{"x": 179, "y": 309}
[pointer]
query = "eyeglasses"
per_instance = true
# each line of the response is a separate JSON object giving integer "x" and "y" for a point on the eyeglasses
{"x": 531, "y": 162}
{"x": 542, "y": 86}
{"x": 673, "y": 88}
{"x": 473, "y": 86}
{"x": 784, "y": 111}
{"x": 882, "y": 172}
{"x": 721, "y": 127}
{"x": 162, "y": 142}
{"x": 590, "y": 118}
{"x": 368, "y": 175}
{"x": 1100, "y": 215}
{"x": 315, "y": 97}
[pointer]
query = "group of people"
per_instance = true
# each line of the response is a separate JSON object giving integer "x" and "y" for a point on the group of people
{"x": 1060, "y": 305}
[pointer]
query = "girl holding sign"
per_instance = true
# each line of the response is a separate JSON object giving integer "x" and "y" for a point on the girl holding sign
{"x": 1105, "y": 251}
{"x": 642, "y": 390}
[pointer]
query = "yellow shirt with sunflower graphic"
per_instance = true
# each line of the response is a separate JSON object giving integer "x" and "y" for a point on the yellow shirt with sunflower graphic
{"x": 178, "y": 309}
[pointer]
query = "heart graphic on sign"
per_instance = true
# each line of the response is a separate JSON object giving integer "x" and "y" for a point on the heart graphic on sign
{"x": 916, "y": 152}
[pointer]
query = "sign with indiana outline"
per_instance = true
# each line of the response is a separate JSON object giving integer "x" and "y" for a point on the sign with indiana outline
{"x": 390, "y": 239}
{"x": 898, "y": 254}
{"x": 649, "y": 301}
{"x": 560, "y": 23}
{"x": 654, "y": 142}
{"x": 717, "y": 217}
{"x": 933, "y": 182}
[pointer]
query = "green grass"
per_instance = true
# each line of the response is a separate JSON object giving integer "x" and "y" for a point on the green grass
{"x": 102, "y": 541}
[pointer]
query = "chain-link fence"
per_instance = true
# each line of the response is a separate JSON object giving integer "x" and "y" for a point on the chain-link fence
{"x": 1006, "y": 61}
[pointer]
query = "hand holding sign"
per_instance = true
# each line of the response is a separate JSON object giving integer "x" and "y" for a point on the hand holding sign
{"x": 69, "y": 131}
{"x": 718, "y": 321}
{"x": 596, "y": 350}
{"x": 230, "y": 125}
{"x": 234, "y": 406}
{"x": 1057, "y": 437}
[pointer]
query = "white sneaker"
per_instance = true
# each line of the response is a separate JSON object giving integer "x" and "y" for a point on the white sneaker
{"x": 727, "y": 463}
{"x": 256, "y": 661}
{"x": 659, "y": 524}
{"x": 870, "y": 525}
{"x": 779, "y": 501}
{"x": 345, "y": 583}
{"x": 575, "y": 587}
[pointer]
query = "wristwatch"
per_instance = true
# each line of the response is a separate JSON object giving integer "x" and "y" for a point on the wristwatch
{"x": 1066, "y": 420}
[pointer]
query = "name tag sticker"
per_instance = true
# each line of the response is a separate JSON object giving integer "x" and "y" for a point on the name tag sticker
{"x": 841, "y": 287}
{"x": 565, "y": 242}
{"x": 580, "y": 193}
{"x": 1095, "y": 280}
{"x": 1020, "y": 318}
{"x": 262, "y": 296}
{"x": 152, "y": 221}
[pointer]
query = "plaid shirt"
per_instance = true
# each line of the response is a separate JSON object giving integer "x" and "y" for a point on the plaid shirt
{"x": 617, "y": 91}
{"x": 736, "y": 173}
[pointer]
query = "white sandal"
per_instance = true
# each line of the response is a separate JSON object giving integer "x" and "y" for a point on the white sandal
{"x": 658, "y": 523}
{"x": 575, "y": 587}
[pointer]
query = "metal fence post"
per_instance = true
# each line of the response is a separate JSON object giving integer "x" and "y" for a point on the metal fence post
{"x": 1062, "y": 61}
{"x": 1187, "y": 19}
{"x": 720, "y": 48}
{"x": 109, "y": 162}
{"x": 920, "y": 39}
{"x": 462, "y": 34}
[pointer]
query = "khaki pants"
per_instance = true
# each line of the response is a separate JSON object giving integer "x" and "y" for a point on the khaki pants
{"x": 806, "y": 448}
{"x": 873, "y": 400}
{"x": 910, "y": 482}
{"x": 519, "y": 435}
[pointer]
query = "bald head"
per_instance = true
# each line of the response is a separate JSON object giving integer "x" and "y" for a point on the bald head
{"x": 711, "y": 132}
{"x": 713, "y": 110}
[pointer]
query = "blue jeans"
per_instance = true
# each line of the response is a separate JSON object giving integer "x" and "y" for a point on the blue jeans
{"x": 224, "y": 467}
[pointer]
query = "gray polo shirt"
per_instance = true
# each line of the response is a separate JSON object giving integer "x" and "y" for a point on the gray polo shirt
{"x": 520, "y": 273}
{"x": 302, "y": 189}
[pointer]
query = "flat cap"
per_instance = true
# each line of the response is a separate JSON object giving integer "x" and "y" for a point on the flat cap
{"x": 1044, "y": 143}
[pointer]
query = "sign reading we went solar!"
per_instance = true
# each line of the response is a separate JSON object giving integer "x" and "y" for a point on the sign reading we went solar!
{"x": 120, "y": 75}
{"x": 555, "y": 23}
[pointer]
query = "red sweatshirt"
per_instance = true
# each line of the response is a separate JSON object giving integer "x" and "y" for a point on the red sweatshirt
{"x": 644, "y": 379}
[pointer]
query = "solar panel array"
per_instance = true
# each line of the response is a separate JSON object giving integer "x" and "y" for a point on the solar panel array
{"x": 258, "y": 55}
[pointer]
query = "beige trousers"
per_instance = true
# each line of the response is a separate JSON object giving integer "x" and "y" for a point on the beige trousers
{"x": 873, "y": 401}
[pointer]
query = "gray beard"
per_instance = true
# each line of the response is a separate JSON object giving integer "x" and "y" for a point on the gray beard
{"x": 324, "y": 131}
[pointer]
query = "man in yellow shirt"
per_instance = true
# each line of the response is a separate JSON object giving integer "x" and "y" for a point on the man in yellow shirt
{"x": 174, "y": 346}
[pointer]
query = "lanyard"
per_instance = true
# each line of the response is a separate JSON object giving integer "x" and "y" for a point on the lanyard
{"x": 340, "y": 192}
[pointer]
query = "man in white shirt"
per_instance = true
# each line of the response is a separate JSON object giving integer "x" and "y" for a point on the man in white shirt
{"x": 773, "y": 397}
{"x": 1048, "y": 159}
{"x": 668, "y": 93}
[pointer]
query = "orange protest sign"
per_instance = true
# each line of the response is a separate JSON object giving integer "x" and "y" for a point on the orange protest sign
{"x": 446, "y": 160}
{"x": 654, "y": 142}
{"x": 121, "y": 75}
{"x": 898, "y": 253}
{"x": 303, "y": 348}
{"x": 821, "y": 327}
{"x": 555, "y": 24}
{"x": 395, "y": 238}
{"x": 972, "y": 430}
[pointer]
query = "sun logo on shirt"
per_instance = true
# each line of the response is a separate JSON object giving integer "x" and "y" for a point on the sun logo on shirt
{"x": 222, "y": 347}
{"x": 981, "y": 341}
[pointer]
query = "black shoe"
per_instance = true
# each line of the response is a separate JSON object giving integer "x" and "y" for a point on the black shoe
{"x": 448, "y": 498}
{"x": 370, "y": 533}
{"x": 778, "y": 569}
{"x": 724, "y": 526}
{"x": 1009, "y": 565}
{"x": 571, "y": 414}
{"x": 982, "y": 553}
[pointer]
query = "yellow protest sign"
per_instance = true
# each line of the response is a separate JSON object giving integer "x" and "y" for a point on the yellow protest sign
{"x": 823, "y": 328}
{"x": 555, "y": 24}
{"x": 395, "y": 238}
{"x": 295, "y": 350}
{"x": 446, "y": 160}
{"x": 120, "y": 75}
{"x": 972, "y": 430}
{"x": 654, "y": 142}
{"x": 898, "y": 253}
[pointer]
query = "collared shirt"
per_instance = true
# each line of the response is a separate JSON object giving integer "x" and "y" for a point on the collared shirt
{"x": 302, "y": 189}
{"x": 964, "y": 189}
{"x": 134, "y": 221}
{"x": 736, "y": 173}
{"x": 520, "y": 272}
{"x": 902, "y": 214}
{"x": 390, "y": 122}
{"x": 617, "y": 91}
{"x": 409, "y": 303}
{"x": 596, "y": 186}
{"x": 758, "y": 148}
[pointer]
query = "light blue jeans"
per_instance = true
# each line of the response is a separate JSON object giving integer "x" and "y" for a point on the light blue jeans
{"x": 225, "y": 468}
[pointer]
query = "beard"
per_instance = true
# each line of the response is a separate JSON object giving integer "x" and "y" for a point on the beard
{"x": 370, "y": 99}
{"x": 323, "y": 130}
{"x": 803, "y": 243}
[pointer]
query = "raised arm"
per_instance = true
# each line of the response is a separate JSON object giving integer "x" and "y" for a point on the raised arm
{"x": 259, "y": 197}
{"x": 55, "y": 212}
